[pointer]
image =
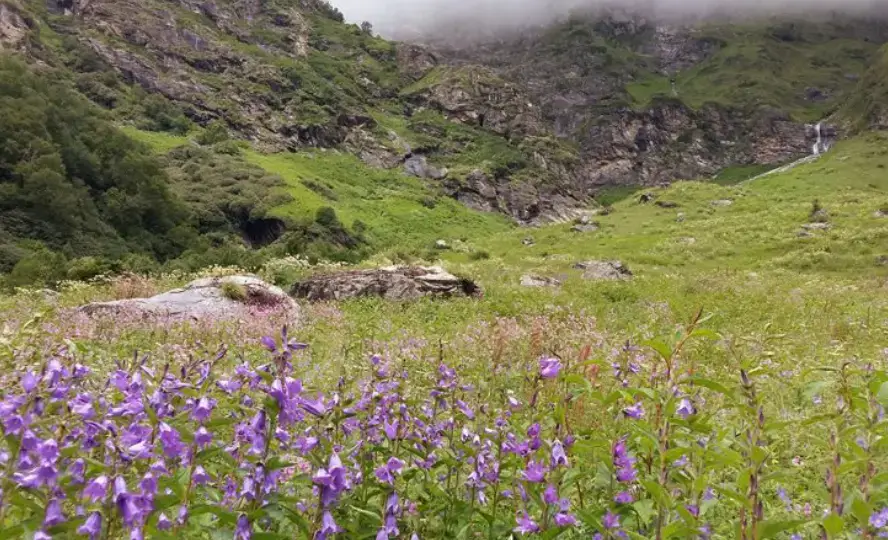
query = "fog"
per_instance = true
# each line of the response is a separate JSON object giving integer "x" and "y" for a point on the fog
{"x": 417, "y": 18}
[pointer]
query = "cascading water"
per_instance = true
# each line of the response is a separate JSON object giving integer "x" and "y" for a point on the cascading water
{"x": 821, "y": 146}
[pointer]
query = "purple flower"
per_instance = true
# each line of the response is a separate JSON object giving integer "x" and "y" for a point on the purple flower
{"x": 48, "y": 450}
{"x": 693, "y": 509}
{"x": 463, "y": 408}
{"x": 623, "y": 462}
{"x": 390, "y": 429}
{"x": 549, "y": 367}
{"x": 879, "y": 519}
{"x": 200, "y": 476}
{"x": 686, "y": 408}
{"x": 164, "y": 523}
{"x": 563, "y": 519}
{"x": 550, "y": 496}
{"x": 204, "y": 409}
{"x": 328, "y": 526}
{"x": 244, "y": 530}
{"x": 535, "y": 472}
{"x": 41, "y": 535}
{"x": 635, "y": 411}
{"x": 171, "y": 441}
{"x": 54, "y": 515}
{"x": 623, "y": 497}
{"x": 92, "y": 526}
{"x": 526, "y": 525}
{"x": 202, "y": 437}
{"x": 269, "y": 343}
{"x": 316, "y": 407}
{"x": 386, "y": 473}
{"x": 559, "y": 458}
{"x": 82, "y": 405}
{"x": 96, "y": 489}
{"x": 29, "y": 382}
{"x": 611, "y": 521}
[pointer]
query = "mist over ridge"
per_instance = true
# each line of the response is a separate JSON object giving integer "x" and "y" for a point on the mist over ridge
{"x": 416, "y": 19}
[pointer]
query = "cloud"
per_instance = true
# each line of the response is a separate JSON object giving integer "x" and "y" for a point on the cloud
{"x": 432, "y": 17}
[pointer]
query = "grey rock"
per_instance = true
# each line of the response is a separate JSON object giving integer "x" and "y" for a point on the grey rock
{"x": 419, "y": 166}
{"x": 391, "y": 283}
{"x": 13, "y": 28}
{"x": 819, "y": 226}
{"x": 645, "y": 198}
{"x": 202, "y": 298}
{"x": 804, "y": 234}
{"x": 820, "y": 216}
{"x": 722, "y": 202}
{"x": 539, "y": 281}
{"x": 880, "y": 214}
{"x": 528, "y": 241}
{"x": 882, "y": 260}
{"x": 442, "y": 244}
{"x": 587, "y": 228}
{"x": 680, "y": 217}
{"x": 604, "y": 270}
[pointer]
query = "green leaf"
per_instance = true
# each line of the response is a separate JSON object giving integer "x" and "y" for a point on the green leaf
{"x": 367, "y": 513}
{"x": 833, "y": 524}
{"x": 882, "y": 396}
{"x": 712, "y": 385}
{"x": 861, "y": 510}
{"x": 644, "y": 509}
{"x": 772, "y": 527}
{"x": 664, "y": 350}
{"x": 657, "y": 492}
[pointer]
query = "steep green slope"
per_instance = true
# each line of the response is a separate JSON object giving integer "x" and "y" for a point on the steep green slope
{"x": 867, "y": 108}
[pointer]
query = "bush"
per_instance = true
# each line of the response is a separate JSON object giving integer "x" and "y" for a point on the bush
{"x": 85, "y": 268}
{"x": 40, "y": 268}
{"x": 479, "y": 255}
{"x": 214, "y": 133}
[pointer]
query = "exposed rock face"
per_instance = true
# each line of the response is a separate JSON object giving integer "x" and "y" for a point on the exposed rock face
{"x": 233, "y": 296}
{"x": 604, "y": 270}
{"x": 13, "y": 28}
{"x": 392, "y": 283}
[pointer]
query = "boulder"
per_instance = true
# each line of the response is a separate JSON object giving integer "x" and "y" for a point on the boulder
{"x": 419, "y": 166}
{"x": 231, "y": 296}
{"x": 539, "y": 281}
{"x": 604, "y": 270}
{"x": 391, "y": 283}
{"x": 585, "y": 228}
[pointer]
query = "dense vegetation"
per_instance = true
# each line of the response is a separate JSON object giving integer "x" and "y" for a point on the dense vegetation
{"x": 72, "y": 182}
{"x": 608, "y": 408}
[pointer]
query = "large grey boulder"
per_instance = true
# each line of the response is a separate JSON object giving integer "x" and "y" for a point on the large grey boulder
{"x": 392, "y": 283}
{"x": 531, "y": 280}
{"x": 231, "y": 296}
{"x": 604, "y": 270}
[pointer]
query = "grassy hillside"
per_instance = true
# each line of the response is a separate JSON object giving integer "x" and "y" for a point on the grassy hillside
{"x": 804, "y": 69}
{"x": 867, "y": 107}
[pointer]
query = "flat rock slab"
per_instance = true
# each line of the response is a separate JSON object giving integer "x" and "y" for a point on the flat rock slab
{"x": 391, "y": 283}
{"x": 539, "y": 281}
{"x": 604, "y": 270}
{"x": 231, "y": 296}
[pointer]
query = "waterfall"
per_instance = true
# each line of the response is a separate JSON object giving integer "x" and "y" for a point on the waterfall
{"x": 819, "y": 146}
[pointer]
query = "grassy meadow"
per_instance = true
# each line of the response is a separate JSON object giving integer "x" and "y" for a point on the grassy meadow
{"x": 734, "y": 388}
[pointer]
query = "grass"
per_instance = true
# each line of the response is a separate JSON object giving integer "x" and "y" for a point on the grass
{"x": 801, "y": 317}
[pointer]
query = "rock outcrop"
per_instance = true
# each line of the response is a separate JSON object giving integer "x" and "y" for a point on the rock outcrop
{"x": 535, "y": 281}
{"x": 604, "y": 270}
{"x": 227, "y": 297}
{"x": 13, "y": 28}
{"x": 391, "y": 283}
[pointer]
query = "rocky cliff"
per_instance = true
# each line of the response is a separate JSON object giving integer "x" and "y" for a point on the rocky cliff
{"x": 532, "y": 125}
